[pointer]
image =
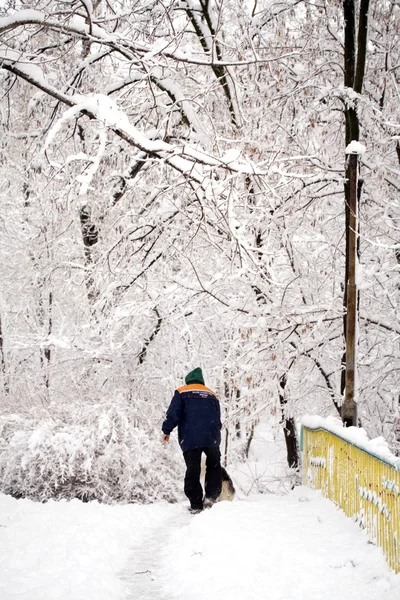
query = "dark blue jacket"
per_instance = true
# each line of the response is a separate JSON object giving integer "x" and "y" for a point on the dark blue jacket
{"x": 195, "y": 410}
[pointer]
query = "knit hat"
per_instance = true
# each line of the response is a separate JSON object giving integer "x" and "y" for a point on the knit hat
{"x": 195, "y": 376}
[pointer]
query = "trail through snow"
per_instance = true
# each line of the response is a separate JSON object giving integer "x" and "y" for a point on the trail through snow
{"x": 265, "y": 547}
{"x": 142, "y": 573}
{"x": 298, "y": 546}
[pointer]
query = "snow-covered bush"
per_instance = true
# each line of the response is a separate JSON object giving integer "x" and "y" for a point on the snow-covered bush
{"x": 99, "y": 455}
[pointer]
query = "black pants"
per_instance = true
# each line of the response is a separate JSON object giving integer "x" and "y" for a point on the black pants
{"x": 213, "y": 482}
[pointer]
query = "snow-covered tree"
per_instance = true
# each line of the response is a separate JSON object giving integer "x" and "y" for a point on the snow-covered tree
{"x": 172, "y": 183}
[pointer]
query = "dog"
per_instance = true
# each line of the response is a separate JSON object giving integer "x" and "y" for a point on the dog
{"x": 227, "y": 490}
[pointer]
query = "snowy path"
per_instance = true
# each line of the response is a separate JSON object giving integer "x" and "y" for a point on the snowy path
{"x": 142, "y": 573}
{"x": 298, "y": 546}
{"x": 267, "y": 547}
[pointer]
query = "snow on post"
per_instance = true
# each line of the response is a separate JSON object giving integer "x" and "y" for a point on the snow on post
{"x": 355, "y": 148}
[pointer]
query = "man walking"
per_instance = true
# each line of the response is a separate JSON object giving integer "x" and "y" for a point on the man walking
{"x": 195, "y": 410}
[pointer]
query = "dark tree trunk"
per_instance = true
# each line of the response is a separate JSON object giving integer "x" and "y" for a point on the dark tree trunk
{"x": 209, "y": 45}
{"x": 156, "y": 330}
{"x": 237, "y": 423}
{"x": 289, "y": 429}
{"x": 249, "y": 440}
{"x": 90, "y": 237}
{"x": 45, "y": 358}
{"x": 3, "y": 369}
{"x": 226, "y": 447}
{"x": 90, "y": 233}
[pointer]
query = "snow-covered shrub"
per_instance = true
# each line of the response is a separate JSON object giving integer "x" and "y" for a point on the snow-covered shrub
{"x": 101, "y": 455}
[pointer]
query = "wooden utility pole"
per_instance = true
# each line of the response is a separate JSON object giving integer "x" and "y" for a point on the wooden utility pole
{"x": 355, "y": 54}
{"x": 349, "y": 408}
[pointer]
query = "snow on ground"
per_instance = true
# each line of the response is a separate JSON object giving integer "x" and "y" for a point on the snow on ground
{"x": 265, "y": 470}
{"x": 70, "y": 550}
{"x": 298, "y": 546}
{"x": 262, "y": 546}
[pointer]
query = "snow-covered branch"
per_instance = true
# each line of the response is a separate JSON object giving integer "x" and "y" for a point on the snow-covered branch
{"x": 184, "y": 159}
{"x": 119, "y": 43}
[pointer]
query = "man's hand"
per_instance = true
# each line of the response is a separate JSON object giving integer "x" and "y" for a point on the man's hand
{"x": 165, "y": 438}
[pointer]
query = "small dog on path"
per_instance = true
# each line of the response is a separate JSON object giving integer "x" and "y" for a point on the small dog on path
{"x": 227, "y": 490}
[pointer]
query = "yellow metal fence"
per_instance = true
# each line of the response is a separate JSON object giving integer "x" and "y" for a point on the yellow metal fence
{"x": 363, "y": 485}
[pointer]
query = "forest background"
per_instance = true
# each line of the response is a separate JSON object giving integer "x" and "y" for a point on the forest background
{"x": 173, "y": 194}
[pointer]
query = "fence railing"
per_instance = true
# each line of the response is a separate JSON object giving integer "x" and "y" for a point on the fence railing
{"x": 364, "y": 485}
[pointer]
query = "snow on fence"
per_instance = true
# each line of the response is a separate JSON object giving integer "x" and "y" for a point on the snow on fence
{"x": 358, "y": 474}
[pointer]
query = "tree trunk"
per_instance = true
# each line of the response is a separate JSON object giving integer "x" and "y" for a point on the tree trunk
{"x": 289, "y": 429}
{"x": 45, "y": 358}
{"x": 90, "y": 237}
{"x": 250, "y": 437}
{"x": 226, "y": 447}
{"x": 143, "y": 352}
{"x": 3, "y": 369}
